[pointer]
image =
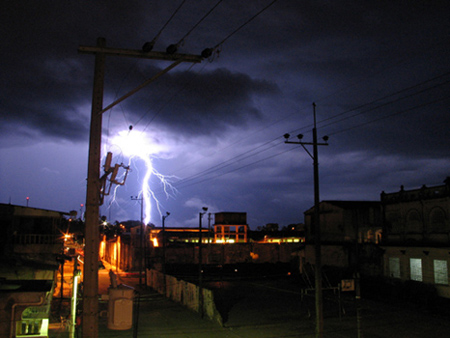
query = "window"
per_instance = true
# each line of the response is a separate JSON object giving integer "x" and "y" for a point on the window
{"x": 416, "y": 269}
{"x": 440, "y": 272}
{"x": 414, "y": 222}
{"x": 394, "y": 267}
{"x": 437, "y": 220}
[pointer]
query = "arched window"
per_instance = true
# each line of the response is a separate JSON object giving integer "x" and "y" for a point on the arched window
{"x": 378, "y": 236}
{"x": 414, "y": 222}
{"x": 437, "y": 220}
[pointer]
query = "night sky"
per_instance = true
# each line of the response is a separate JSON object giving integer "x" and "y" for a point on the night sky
{"x": 378, "y": 72}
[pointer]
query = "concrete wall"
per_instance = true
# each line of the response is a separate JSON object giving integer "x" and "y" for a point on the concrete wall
{"x": 229, "y": 253}
{"x": 427, "y": 256}
{"x": 184, "y": 293}
{"x": 332, "y": 255}
{"x": 12, "y": 306}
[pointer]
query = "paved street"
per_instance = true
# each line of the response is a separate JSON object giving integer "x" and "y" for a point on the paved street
{"x": 266, "y": 309}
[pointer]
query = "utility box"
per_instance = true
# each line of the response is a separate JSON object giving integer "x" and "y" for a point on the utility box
{"x": 120, "y": 308}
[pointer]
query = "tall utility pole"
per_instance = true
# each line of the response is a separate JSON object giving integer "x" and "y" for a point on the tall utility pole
{"x": 164, "y": 249}
{"x": 200, "y": 258}
{"x": 142, "y": 253}
{"x": 317, "y": 241}
{"x": 91, "y": 235}
{"x": 93, "y": 200}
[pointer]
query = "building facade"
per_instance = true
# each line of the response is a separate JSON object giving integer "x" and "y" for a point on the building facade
{"x": 31, "y": 245}
{"x": 346, "y": 222}
{"x": 417, "y": 235}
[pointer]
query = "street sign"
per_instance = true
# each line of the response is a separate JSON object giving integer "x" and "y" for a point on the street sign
{"x": 347, "y": 285}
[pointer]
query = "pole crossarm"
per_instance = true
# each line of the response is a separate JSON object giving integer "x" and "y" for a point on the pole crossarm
{"x": 136, "y": 53}
{"x": 306, "y": 143}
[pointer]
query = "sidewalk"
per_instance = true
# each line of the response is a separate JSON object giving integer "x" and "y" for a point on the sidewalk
{"x": 154, "y": 315}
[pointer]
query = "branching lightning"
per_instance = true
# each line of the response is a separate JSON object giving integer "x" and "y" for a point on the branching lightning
{"x": 137, "y": 145}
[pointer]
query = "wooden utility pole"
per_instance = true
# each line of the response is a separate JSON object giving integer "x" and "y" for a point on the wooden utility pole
{"x": 93, "y": 193}
{"x": 91, "y": 234}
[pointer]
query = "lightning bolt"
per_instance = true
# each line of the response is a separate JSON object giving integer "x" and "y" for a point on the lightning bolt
{"x": 137, "y": 145}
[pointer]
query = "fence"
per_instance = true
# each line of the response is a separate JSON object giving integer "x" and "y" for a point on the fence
{"x": 184, "y": 293}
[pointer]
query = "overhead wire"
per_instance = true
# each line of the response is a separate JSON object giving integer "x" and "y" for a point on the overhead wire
{"x": 191, "y": 180}
{"x": 147, "y": 47}
{"x": 390, "y": 115}
{"x": 386, "y": 103}
{"x": 234, "y": 32}
{"x": 174, "y": 47}
{"x": 169, "y": 20}
{"x": 225, "y": 164}
{"x": 207, "y": 52}
{"x": 388, "y": 96}
{"x": 236, "y": 169}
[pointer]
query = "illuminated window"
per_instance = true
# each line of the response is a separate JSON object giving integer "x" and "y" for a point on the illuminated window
{"x": 440, "y": 272}
{"x": 416, "y": 269}
{"x": 394, "y": 267}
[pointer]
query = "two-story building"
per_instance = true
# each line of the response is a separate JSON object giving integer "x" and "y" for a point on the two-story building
{"x": 350, "y": 232}
{"x": 30, "y": 247}
{"x": 417, "y": 235}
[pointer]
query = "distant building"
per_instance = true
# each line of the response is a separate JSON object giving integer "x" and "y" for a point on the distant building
{"x": 348, "y": 229}
{"x": 230, "y": 227}
{"x": 417, "y": 235}
{"x": 31, "y": 245}
{"x": 346, "y": 222}
{"x": 293, "y": 233}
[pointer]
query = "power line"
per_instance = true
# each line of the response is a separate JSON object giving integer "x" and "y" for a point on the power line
{"x": 390, "y": 95}
{"x": 226, "y": 164}
{"x": 387, "y": 103}
{"x": 174, "y": 47}
{"x": 237, "y": 169}
{"x": 391, "y": 115}
{"x": 229, "y": 162}
{"x": 208, "y": 51}
{"x": 148, "y": 46}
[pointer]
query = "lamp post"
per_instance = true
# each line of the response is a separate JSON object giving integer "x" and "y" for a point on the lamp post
{"x": 317, "y": 240}
{"x": 164, "y": 249}
{"x": 200, "y": 279}
{"x": 142, "y": 254}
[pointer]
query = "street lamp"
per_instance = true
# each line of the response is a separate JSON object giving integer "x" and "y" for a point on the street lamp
{"x": 318, "y": 269}
{"x": 164, "y": 249}
{"x": 200, "y": 291}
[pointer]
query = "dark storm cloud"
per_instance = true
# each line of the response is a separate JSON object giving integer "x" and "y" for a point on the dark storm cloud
{"x": 202, "y": 102}
{"x": 45, "y": 83}
{"x": 354, "y": 59}
{"x": 46, "y": 98}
